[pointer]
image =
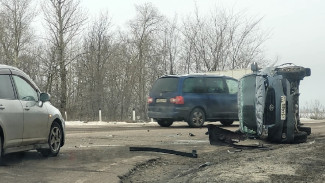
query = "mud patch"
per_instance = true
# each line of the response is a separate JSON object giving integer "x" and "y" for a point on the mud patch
{"x": 283, "y": 163}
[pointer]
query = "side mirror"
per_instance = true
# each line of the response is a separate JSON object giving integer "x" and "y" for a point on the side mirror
{"x": 44, "y": 97}
{"x": 307, "y": 71}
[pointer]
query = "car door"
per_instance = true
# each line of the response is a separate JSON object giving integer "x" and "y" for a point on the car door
{"x": 35, "y": 116}
{"x": 11, "y": 113}
{"x": 194, "y": 93}
{"x": 218, "y": 97}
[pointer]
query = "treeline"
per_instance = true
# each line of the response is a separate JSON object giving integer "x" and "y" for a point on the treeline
{"x": 313, "y": 110}
{"x": 87, "y": 65}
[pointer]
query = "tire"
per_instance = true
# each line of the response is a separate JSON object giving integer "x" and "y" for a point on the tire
{"x": 305, "y": 129}
{"x": 196, "y": 118}
{"x": 293, "y": 72}
{"x": 54, "y": 141}
{"x": 300, "y": 137}
{"x": 226, "y": 122}
{"x": 165, "y": 122}
{"x": 1, "y": 150}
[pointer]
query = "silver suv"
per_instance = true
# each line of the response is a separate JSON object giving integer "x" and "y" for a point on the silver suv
{"x": 27, "y": 118}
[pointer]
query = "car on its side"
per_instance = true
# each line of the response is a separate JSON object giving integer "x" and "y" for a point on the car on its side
{"x": 194, "y": 98}
{"x": 27, "y": 119}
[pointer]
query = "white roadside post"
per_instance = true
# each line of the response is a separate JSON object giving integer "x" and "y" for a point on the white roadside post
{"x": 100, "y": 115}
{"x": 66, "y": 115}
{"x": 133, "y": 114}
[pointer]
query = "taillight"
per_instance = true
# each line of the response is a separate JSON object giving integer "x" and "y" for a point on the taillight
{"x": 177, "y": 100}
{"x": 150, "y": 100}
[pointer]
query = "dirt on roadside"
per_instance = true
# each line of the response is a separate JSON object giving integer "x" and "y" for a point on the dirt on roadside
{"x": 303, "y": 162}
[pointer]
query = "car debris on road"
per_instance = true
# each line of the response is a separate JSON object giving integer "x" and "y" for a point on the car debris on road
{"x": 168, "y": 151}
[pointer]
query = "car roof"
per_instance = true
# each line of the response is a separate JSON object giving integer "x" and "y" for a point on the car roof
{"x": 22, "y": 73}
{"x": 197, "y": 75}
{"x": 2, "y": 66}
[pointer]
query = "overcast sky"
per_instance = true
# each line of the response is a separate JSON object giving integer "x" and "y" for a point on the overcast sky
{"x": 297, "y": 29}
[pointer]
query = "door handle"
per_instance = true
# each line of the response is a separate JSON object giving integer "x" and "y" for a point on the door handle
{"x": 27, "y": 108}
{"x": 2, "y": 107}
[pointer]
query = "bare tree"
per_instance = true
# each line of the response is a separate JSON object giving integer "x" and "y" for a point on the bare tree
{"x": 85, "y": 70}
{"x": 143, "y": 29}
{"x": 64, "y": 20}
{"x": 192, "y": 26}
{"x": 244, "y": 43}
{"x": 15, "y": 29}
{"x": 313, "y": 110}
{"x": 170, "y": 49}
{"x": 221, "y": 40}
{"x": 95, "y": 66}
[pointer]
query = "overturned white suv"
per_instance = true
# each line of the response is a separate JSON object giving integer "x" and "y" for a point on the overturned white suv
{"x": 27, "y": 118}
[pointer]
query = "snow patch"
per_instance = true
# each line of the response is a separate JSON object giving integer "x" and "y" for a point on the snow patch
{"x": 103, "y": 123}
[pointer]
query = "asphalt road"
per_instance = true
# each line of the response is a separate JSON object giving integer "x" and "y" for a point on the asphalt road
{"x": 100, "y": 152}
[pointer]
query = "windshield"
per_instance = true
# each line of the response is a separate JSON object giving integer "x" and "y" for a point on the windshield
{"x": 165, "y": 85}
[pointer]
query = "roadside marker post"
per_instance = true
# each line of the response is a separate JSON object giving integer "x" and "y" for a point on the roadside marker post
{"x": 100, "y": 115}
{"x": 133, "y": 114}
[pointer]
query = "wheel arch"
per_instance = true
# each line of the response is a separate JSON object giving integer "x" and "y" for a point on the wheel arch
{"x": 60, "y": 123}
{"x": 199, "y": 107}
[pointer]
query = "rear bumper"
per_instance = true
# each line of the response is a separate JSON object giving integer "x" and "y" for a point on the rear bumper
{"x": 175, "y": 113}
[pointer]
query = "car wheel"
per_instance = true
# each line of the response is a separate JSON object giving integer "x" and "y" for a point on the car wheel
{"x": 54, "y": 141}
{"x": 300, "y": 137}
{"x": 294, "y": 72}
{"x": 197, "y": 118}
{"x": 305, "y": 129}
{"x": 226, "y": 122}
{"x": 0, "y": 150}
{"x": 165, "y": 122}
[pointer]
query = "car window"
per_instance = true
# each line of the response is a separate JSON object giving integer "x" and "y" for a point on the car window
{"x": 165, "y": 85}
{"x": 232, "y": 86}
{"x": 215, "y": 85}
{"x": 25, "y": 90}
{"x": 194, "y": 85}
{"x": 6, "y": 89}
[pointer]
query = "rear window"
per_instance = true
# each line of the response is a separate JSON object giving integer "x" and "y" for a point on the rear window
{"x": 163, "y": 85}
{"x": 6, "y": 89}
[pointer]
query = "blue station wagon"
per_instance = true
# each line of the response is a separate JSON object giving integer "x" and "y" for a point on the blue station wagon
{"x": 194, "y": 99}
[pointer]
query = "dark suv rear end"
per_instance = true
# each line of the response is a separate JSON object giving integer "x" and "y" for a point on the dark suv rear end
{"x": 194, "y": 99}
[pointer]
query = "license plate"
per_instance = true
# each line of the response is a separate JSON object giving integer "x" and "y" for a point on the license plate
{"x": 283, "y": 107}
{"x": 161, "y": 100}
